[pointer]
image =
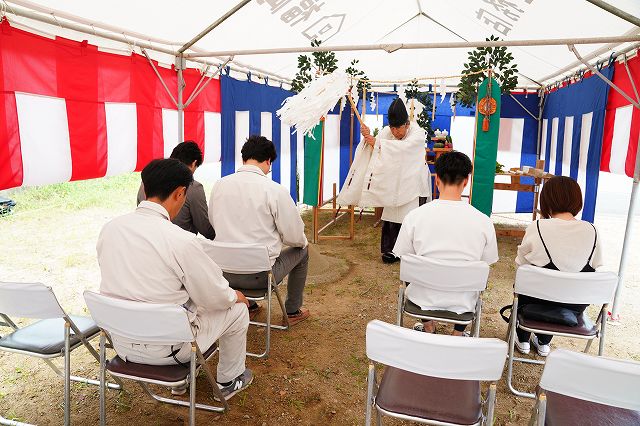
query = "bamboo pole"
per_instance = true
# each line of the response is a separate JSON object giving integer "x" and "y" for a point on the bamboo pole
{"x": 352, "y": 215}
{"x": 355, "y": 109}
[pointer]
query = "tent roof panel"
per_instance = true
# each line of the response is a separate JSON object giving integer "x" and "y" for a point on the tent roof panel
{"x": 268, "y": 24}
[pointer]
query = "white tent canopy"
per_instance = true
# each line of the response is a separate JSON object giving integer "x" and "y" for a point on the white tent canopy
{"x": 272, "y": 24}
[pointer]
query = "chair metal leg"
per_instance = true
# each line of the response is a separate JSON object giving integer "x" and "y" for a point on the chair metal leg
{"x": 192, "y": 387}
{"x": 212, "y": 381}
{"x": 95, "y": 354}
{"x": 8, "y": 422}
{"x": 542, "y": 409}
{"x": 67, "y": 374}
{"x": 512, "y": 344}
{"x": 268, "y": 326}
{"x": 601, "y": 334}
{"x": 476, "y": 320}
{"x": 369, "y": 401}
{"x": 284, "y": 311}
{"x": 491, "y": 399}
{"x": 83, "y": 379}
{"x": 103, "y": 360}
{"x": 400, "y": 303}
{"x": 378, "y": 418}
{"x": 178, "y": 402}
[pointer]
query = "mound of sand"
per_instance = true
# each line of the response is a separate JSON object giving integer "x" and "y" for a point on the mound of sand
{"x": 324, "y": 268}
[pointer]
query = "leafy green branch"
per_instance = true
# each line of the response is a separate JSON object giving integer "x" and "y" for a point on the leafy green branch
{"x": 498, "y": 59}
{"x": 424, "y": 119}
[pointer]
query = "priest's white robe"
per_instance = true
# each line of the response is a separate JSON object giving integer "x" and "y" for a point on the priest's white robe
{"x": 392, "y": 174}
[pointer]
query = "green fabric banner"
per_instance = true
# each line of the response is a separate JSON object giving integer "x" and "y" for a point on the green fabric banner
{"x": 485, "y": 152}
{"x": 312, "y": 165}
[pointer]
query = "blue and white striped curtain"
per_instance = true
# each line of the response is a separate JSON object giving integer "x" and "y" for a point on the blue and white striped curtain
{"x": 572, "y": 132}
{"x": 249, "y": 108}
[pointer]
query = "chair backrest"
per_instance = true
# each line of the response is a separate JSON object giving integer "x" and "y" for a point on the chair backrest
{"x": 608, "y": 381}
{"x": 152, "y": 323}
{"x": 435, "y": 355}
{"x": 445, "y": 275}
{"x": 595, "y": 288}
{"x": 238, "y": 258}
{"x": 29, "y": 300}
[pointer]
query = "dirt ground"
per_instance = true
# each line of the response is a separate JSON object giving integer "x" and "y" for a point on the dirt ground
{"x": 316, "y": 374}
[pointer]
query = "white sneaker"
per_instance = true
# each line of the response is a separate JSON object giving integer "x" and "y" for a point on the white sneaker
{"x": 543, "y": 350}
{"x": 180, "y": 390}
{"x": 418, "y": 326}
{"x": 523, "y": 347}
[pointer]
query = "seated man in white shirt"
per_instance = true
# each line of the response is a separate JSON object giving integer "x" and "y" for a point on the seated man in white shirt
{"x": 448, "y": 228}
{"x": 248, "y": 207}
{"x": 144, "y": 257}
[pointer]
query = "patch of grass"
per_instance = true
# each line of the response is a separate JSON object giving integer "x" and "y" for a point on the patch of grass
{"x": 297, "y": 404}
{"x": 73, "y": 260}
{"x": 123, "y": 402}
{"x": 243, "y": 399}
{"x": 106, "y": 192}
{"x": 12, "y": 416}
{"x": 20, "y": 374}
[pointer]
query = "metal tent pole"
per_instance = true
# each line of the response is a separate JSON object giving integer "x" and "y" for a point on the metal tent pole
{"x": 440, "y": 45}
{"x": 601, "y": 51}
{"x": 180, "y": 65}
{"x": 617, "y": 12}
{"x": 218, "y": 21}
{"x": 633, "y": 204}
{"x": 633, "y": 102}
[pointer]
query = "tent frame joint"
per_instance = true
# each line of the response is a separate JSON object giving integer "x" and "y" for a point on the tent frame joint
{"x": 594, "y": 70}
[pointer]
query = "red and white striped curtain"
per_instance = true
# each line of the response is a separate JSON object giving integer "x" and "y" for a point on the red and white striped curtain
{"x": 621, "y": 123}
{"x": 70, "y": 112}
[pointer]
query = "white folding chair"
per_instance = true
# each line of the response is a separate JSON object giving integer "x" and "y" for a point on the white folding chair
{"x": 54, "y": 335}
{"x": 154, "y": 324}
{"x": 455, "y": 281}
{"x": 588, "y": 288}
{"x": 242, "y": 262}
{"x": 432, "y": 379}
{"x": 578, "y": 389}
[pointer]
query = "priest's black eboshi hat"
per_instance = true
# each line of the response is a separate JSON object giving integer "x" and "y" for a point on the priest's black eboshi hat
{"x": 397, "y": 113}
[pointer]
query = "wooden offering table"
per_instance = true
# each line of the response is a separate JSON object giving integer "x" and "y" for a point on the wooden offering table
{"x": 436, "y": 153}
{"x": 516, "y": 175}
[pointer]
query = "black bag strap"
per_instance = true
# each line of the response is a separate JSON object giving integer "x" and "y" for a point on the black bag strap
{"x": 173, "y": 354}
{"x": 543, "y": 243}
{"x": 503, "y": 310}
{"x": 595, "y": 240}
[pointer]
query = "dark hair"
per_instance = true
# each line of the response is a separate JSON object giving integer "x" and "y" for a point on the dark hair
{"x": 453, "y": 167}
{"x": 258, "y": 148}
{"x": 560, "y": 194}
{"x": 187, "y": 152}
{"x": 161, "y": 177}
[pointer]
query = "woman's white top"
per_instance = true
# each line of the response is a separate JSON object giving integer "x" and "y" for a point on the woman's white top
{"x": 569, "y": 242}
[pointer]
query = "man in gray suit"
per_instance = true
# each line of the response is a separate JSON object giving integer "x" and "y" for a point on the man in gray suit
{"x": 194, "y": 215}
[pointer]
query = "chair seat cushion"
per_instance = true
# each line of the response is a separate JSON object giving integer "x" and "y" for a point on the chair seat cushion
{"x": 585, "y": 326}
{"x": 414, "y": 309}
{"x": 564, "y": 410}
{"x": 252, "y": 293}
{"x": 46, "y": 337}
{"x": 444, "y": 400}
{"x": 256, "y": 280}
{"x": 171, "y": 373}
